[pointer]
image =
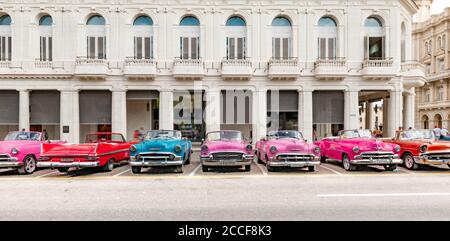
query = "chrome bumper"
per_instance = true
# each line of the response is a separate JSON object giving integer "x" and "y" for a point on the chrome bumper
{"x": 376, "y": 161}
{"x": 11, "y": 163}
{"x": 155, "y": 163}
{"x": 274, "y": 163}
{"x": 210, "y": 162}
{"x": 423, "y": 159}
{"x": 67, "y": 164}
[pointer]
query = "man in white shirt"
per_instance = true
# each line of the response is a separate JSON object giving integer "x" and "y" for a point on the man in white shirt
{"x": 437, "y": 132}
{"x": 444, "y": 132}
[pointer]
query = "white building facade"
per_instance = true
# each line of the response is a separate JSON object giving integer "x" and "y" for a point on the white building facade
{"x": 73, "y": 67}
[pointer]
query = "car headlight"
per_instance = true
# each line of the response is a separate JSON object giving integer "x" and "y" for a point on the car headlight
{"x": 317, "y": 150}
{"x": 397, "y": 148}
{"x": 133, "y": 148}
{"x": 423, "y": 148}
{"x": 249, "y": 148}
{"x": 177, "y": 148}
{"x": 14, "y": 151}
{"x": 273, "y": 149}
{"x": 356, "y": 149}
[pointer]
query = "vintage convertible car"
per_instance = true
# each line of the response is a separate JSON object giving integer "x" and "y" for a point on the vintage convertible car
{"x": 225, "y": 148}
{"x": 20, "y": 150}
{"x": 161, "y": 148}
{"x": 102, "y": 149}
{"x": 287, "y": 149}
{"x": 419, "y": 147}
{"x": 358, "y": 147}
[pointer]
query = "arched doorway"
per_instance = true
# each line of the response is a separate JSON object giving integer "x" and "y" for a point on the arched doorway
{"x": 425, "y": 122}
{"x": 438, "y": 120}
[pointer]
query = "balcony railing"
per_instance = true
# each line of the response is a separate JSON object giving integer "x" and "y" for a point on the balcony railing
{"x": 87, "y": 68}
{"x": 43, "y": 64}
{"x": 237, "y": 69}
{"x": 188, "y": 69}
{"x": 412, "y": 65}
{"x": 378, "y": 69}
{"x": 335, "y": 68}
{"x": 283, "y": 69}
{"x": 139, "y": 68}
{"x": 5, "y": 64}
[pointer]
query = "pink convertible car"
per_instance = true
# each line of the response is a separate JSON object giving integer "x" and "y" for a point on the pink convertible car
{"x": 226, "y": 148}
{"x": 357, "y": 147}
{"x": 287, "y": 149}
{"x": 20, "y": 150}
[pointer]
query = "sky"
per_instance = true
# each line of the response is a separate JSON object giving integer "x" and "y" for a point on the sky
{"x": 439, "y": 5}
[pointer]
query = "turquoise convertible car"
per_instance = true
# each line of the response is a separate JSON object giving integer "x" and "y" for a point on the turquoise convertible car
{"x": 161, "y": 148}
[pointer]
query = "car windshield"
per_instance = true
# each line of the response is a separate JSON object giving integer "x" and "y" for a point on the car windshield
{"x": 224, "y": 136}
{"x": 416, "y": 134}
{"x": 23, "y": 136}
{"x": 352, "y": 134}
{"x": 104, "y": 137}
{"x": 285, "y": 134}
{"x": 158, "y": 134}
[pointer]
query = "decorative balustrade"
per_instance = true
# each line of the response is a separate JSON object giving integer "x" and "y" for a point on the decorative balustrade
{"x": 135, "y": 69}
{"x": 283, "y": 69}
{"x": 188, "y": 69}
{"x": 378, "y": 69}
{"x": 38, "y": 64}
{"x": 335, "y": 68}
{"x": 87, "y": 68}
{"x": 378, "y": 63}
{"x": 5, "y": 64}
{"x": 237, "y": 69}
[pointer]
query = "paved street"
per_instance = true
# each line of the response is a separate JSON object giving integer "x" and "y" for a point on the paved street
{"x": 330, "y": 193}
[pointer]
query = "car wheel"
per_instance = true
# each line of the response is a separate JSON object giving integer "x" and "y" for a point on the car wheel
{"x": 188, "y": 160}
{"x": 346, "y": 163}
{"x": 136, "y": 170}
{"x": 63, "y": 169}
{"x": 205, "y": 168}
{"x": 311, "y": 169}
{"x": 109, "y": 166}
{"x": 390, "y": 168}
{"x": 29, "y": 166}
{"x": 247, "y": 168}
{"x": 179, "y": 169}
{"x": 271, "y": 169}
{"x": 323, "y": 159}
{"x": 408, "y": 161}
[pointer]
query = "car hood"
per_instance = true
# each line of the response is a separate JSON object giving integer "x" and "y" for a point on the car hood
{"x": 6, "y": 146}
{"x": 225, "y": 145}
{"x": 158, "y": 145}
{"x": 72, "y": 149}
{"x": 369, "y": 144}
{"x": 434, "y": 145}
{"x": 288, "y": 144}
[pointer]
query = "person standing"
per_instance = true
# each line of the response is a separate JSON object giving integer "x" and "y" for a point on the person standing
{"x": 437, "y": 132}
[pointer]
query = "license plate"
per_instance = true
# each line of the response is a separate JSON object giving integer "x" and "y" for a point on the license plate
{"x": 296, "y": 165}
{"x": 227, "y": 163}
{"x": 67, "y": 159}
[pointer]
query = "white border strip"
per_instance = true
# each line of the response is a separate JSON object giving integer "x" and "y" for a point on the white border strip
{"x": 385, "y": 194}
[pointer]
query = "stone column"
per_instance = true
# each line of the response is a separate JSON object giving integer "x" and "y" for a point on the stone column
{"x": 394, "y": 112}
{"x": 70, "y": 116}
{"x": 408, "y": 109}
{"x": 305, "y": 114}
{"x": 119, "y": 112}
{"x": 24, "y": 109}
{"x": 212, "y": 110}
{"x": 259, "y": 113}
{"x": 369, "y": 109}
{"x": 166, "y": 109}
{"x": 351, "y": 110}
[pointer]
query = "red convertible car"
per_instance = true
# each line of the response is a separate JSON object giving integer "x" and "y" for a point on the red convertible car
{"x": 101, "y": 149}
{"x": 420, "y": 147}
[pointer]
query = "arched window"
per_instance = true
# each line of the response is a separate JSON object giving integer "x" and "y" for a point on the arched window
{"x": 425, "y": 122}
{"x": 5, "y": 38}
{"x": 438, "y": 120}
{"x": 46, "y": 38}
{"x": 190, "y": 38}
{"x": 374, "y": 42}
{"x": 281, "y": 38}
{"x": 236, "y": 38}
{"x": 143, "y": 37}
{"x": 327, "y": 39}
{"x": 96, "y": 37}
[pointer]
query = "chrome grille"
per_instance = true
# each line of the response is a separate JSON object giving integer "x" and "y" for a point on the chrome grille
{"x": 157, "y": 156}
{"x": 377, "y": 155}
{"x": 295, "y": 157}
{"x": 4, "y": 157}
{"x": 227, "y": 156}
{"x": 438, "y": 156}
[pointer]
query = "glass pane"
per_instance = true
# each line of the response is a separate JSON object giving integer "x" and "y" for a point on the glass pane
{"x": 331, "y": 48}
{"x": 281, "y": 22}
{"x": 185, "y": 48}
{"x": 194, "y": 48}
{"x": 322, "y": 48}
{"x": 285, "y": 48}
{"x": 44, "y": 49}
{"x": 50, "y": 48}
{"x": 240, "y": 48}
{"x": 96, "y": 20}
{"x": 231, "y": 47}
{"x": 46, "y": 21}
{"x": 189, "y": 21}
{"x": 91, "y": 48}
{"x": 277, "y": 48}
{"x": 375, "y": 48}
{"x": 5, "y": 20}
{"x": 372, "y": 22}
{"x": 327, "y": 22}
{"x": 147, "y": 48}
{"x": 3, "y": 48}
{"x": 139, "y": 48}
{"x": 100, "y": 48}
{"x": 143, "y": 20}
{"x": 235, "y": 21}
